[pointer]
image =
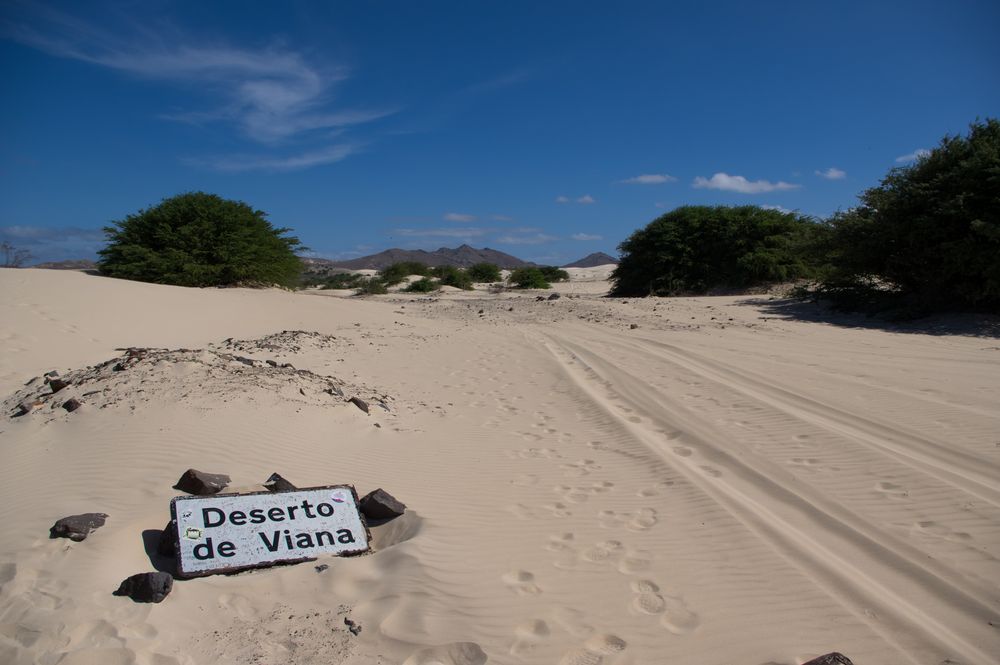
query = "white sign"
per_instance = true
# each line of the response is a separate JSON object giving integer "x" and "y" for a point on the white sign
{"x": 227, "y": 532}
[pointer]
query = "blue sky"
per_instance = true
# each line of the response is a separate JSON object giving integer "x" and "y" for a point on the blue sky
{"x": 547, "y": 130}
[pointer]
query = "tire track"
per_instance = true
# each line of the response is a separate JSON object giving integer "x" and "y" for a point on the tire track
{"x": 967, "y": 473}
{"x": 922, "y": 606}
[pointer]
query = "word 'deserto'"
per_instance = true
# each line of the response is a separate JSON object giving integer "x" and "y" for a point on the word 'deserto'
{"x": 227, "y": 532}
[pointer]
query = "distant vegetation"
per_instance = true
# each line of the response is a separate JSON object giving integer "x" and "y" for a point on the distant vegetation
{"x": 529, "y": 278}
{"x": 694, "y": 249}
{"x": 484, "y": 272}
{"x": 13, "y": 257}
{"x": 928, "y": 237}
{"x": 423, "y": 285}
{"x": 199, "y": 239}
{"x": 553, "y": 274}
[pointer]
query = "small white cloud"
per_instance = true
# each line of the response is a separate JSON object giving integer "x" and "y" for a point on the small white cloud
{"x": 501, "y": 218}
{"x": 459, "y": 217}
{"x": 465, "y": 232}
{"x": 649, "y": 179}
{"x": 562, "y": 199}
{"x": 239, "y": 163}
{"x": 586, "y": 199}
{"x": 737, "y": 183}
{"x": 778, "y": 208}
{"x": 913, "y": 156}
{"x": 533, "y": 239}
{"x": 832, "y": 173}
{"x": 586, "y": 236}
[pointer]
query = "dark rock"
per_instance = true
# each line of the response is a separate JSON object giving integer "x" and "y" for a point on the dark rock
{"x": 201, "y": 484}
{"x": 26, "y": 407}
{"x": 380, "y": 505}
{"x": 146, "y": 587}
{"x": 554, "y": 296}
{"x": 539, "y": 298}
{"x": 276, "y": 483}
{"x": 833, "y": 658}
{"x": 57, "y": 384}
{"x": 352, "y": 626}
{"x": 271, "y": 363}
{"x": 72, "y": 404}
{"x": 50, "y": 375}
{"x": 633, "y": 326}
{"x": 167, "y": 544}
{"x": 334, "y": 390}
{"x": 77, "y": 527}
{"x": 360, "y": 403}
{"x": 321, "y": 567}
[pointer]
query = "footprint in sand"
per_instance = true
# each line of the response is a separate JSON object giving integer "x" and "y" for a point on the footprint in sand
{"x": 683, "y": 451}
{"x": 711, "y": 471}
{"x": 594, "y": 650}
{"x": 521, "y": 582}
{"x": 639, "y": 520}
{"x": 457, "y": 653}
{"x": 582, "y": 467}
{"x": 892, "y": 490}
{"x": 528, "y": 635}
{"x": 525, "y": 480}
{"x": 654, "y": 490}
{"x": 674, "y": 613}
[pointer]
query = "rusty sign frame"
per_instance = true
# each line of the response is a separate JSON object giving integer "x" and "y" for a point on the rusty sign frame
{"x": 264, "y": 564}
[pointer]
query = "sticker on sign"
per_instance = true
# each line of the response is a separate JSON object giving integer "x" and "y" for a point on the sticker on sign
{"x": 229, "y": 532}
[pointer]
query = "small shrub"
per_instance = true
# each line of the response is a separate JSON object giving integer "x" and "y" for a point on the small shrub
{"x": 371, "y": 286}
{"x": 337, "y": 281}
{"x": 425, "y": 285}
{"x": 452, "y": 276}
{"x": 397, "y": 272}
{"x": 484, "y": 272}
{"x": 554, "y": 274}
{"x": 529, "y": 278}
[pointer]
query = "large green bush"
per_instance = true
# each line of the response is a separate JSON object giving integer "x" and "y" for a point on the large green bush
{"x": 928, "y": 237}
{"x": 554, "y": 274}
{"x": 423, "y": 285}
{"x": 452, "y": 276}
{"x": 694, "y": 249}
{"x": 199, "y": 239}
{"x": 484, "y": 272}
{"x": 529, "y": 278}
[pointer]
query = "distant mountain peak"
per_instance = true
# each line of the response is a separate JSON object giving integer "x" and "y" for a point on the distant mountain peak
{"x": 593, "y": 260}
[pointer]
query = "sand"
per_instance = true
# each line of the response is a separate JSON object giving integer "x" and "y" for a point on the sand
{"x": 725, "y": 482}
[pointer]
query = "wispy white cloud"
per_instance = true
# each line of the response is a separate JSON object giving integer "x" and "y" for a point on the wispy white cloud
{"x": 464, "y": 232}
{"x": 240, "y": 163}
{"x": 586, "y": 236}
{"x": 459, "y": 217}
{"x": 270, "y": 95}
{"x": 502, "y": 218}
{"x": 530, "y": 239}
{"x": 54, "y": 243}
{"x": 737, "y": 183}
{"x": 832, "y": 173}
{"x": 649, "y": 179}
{"x": 913, "y": 156}
{"x": 562, "y": 199}
{"x": 586, "y": 199}
{"x": 776, "y": 207}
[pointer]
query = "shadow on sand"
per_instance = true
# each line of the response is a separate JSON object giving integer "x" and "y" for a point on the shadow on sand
{"x": 962, "y": 324}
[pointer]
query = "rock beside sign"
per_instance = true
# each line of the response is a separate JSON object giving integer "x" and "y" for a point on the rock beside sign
{"x": 380, "y": 505}
{"x": 833, "y": 658}
{"x": 276, "y": 483}
{"x": 200, "y": 483}
{"x": 167, "y": 544}
{"x": 146, "y": 587}
{"x": 77, "y": 527}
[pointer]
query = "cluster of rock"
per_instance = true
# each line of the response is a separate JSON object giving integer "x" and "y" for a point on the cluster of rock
{"x": 285, "y": 342}
{"x": 212, "y": 377}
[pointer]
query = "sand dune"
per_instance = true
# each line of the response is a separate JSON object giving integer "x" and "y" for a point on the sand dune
{"x": 590, "y": 481}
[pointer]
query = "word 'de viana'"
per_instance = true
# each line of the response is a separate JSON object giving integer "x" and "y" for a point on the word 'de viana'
{"x": 228, "y": 532}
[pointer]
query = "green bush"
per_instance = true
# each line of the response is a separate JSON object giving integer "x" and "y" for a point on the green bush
{"x": 693, "y": 249}
{"x": 425, "y": 285}
{"x": 371, "y": 286}
{"x": 452, "y": 276}
{"x": 337, "y": 281}
{"x": 928, "y": 237}
{"x": 199, "y": 239}
{"x": 397, "y": 272}
{"x": 484, "y": 272}
{"x": 554, "y": 274}
{"x": 529, "y": 278}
